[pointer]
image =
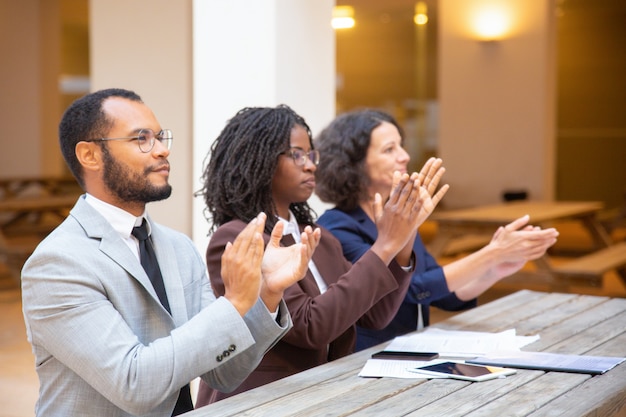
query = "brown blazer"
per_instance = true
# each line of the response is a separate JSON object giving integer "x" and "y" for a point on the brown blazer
{"x": 367, "y": 293}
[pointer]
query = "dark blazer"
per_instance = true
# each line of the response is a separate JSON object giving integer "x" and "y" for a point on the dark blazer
{"x": 357, "y": 232}
{"x": 367, "y": 293}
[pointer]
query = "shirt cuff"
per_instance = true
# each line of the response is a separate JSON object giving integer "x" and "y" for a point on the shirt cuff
{"x": 411, "y": 266}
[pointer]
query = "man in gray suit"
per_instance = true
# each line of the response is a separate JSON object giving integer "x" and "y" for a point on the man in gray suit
{"x": 106, "y": 342}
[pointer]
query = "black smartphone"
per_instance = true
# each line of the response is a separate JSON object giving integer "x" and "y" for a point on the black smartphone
{"x": 410, "y": 356}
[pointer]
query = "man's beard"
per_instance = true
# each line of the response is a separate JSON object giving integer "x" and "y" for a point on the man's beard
{"x": 129, "y": 186}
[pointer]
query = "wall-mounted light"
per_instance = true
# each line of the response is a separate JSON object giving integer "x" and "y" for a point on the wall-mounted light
{"x": 491, "y": 21}
{"x": 421, "y": 13}
{"x": 343, "y": 17}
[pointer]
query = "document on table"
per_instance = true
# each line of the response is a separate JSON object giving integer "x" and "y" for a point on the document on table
{"x": 547, "y": 361}
{"x": 456, "y": 343}
{"x": 391, "y": 368}
{"x": 451, "y": 343}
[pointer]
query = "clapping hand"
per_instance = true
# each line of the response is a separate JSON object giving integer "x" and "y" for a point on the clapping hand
{"x": 283, "y": 266}
{"x": 412, "y": 200}
{"x": 429, "y": 178}
{"x": 519, "y": 242}
{"x": 241, "y": 266}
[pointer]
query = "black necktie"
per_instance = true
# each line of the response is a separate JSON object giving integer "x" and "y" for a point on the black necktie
{"x": 151, "y": 266}
{"x": 149, "y": 262}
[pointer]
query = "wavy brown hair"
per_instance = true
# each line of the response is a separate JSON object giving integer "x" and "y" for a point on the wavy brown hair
{"x": 340, "y": 177}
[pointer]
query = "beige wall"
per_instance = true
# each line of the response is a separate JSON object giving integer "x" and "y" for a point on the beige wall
{"x": 259, "y": 53}
{"x": 497, "y": 103}
{"x": 145, "y": 46}
{"x": 20, "y": 88}
{"x": 497, "y": 100}
{"x": 262, "y": 53}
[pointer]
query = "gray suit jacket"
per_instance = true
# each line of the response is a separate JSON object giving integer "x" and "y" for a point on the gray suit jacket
{"x": 103, "y": 343}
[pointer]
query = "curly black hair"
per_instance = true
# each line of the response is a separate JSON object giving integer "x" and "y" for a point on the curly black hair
{"x": 84, "y": 119}
{"x": 340, "y": 177}
{"x": 241, "y": 164}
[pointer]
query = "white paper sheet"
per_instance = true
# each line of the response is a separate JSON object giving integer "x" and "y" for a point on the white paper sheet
{"x": 455, "y": 343}
{"x": 375, "y": 368}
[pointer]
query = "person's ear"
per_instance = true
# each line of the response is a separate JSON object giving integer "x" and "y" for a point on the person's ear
{"x": 89, "y": 155}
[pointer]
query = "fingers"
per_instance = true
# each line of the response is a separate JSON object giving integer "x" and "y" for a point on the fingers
{"x": 396, "y": 180}
{"x": 431, "y": 174}
{"x": 241, "y": 265}
{"x": 378, "y": 207}
{"x": 426, "y": 169}
{"x": 437, "y": 197}
{"x": 277, "y": 234}
{"x": 432, "y": 184}
{"x": 406, "y": 188}
{"x": 518, "y": 223}
{"x": 310, "y": 239}
{"x": 225, "y": 264}
{"x": 247, "y": 242}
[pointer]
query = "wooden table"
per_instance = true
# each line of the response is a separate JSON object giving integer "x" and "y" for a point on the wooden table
{"x": 566, "y": 323}
{"x": 11, "y": 187}
{"x": 15, "y": 209}
{"x": 25, "y": 221}
{"x": 478, "y": 223}
{"x": 484, "y": 220}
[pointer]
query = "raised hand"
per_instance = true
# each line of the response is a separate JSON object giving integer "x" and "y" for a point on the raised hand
{"x": 519, "y": 242}
{"x": 429, "y": 177}
{"x": 241, "y": 266}
{"x": 397, "y": 220}
{"x": 282, "y": 266}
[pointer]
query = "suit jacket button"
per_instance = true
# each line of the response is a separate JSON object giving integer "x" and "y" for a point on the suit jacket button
{"x": 226, "y": 353}
{"x": 219, "y": 358}
{"x": 232, "y": 348}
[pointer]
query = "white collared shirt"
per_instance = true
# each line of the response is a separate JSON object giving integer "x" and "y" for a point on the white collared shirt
{"x": 121, "y": 221}
{"x": 291, "y": 228}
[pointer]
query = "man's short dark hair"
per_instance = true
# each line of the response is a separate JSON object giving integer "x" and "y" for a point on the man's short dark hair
{"x": 84, "y": 119}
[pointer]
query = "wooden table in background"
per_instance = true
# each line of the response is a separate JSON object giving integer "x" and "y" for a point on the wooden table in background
{"x": 30, "y": 208}
{"x": 484, "y": 220}
{"x": 12, "y": 187}
{"x": 473, "y": 224}
{"x": 566, "y": 323}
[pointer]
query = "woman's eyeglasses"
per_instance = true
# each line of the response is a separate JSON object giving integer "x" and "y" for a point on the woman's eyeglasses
{"x": 300, "y": 156}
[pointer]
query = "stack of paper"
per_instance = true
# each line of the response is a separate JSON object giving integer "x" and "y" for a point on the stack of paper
{"x": 455, "y": 343}
{"x": 448, "y": 343}
{"x": 493, "y": 349}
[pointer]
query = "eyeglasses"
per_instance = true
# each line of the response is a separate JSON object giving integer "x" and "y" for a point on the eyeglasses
{"x": 146, "y": 139}
{"x": 300, "y": 156}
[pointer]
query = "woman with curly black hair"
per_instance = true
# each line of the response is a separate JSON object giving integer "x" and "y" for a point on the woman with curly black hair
{"x": 264, "y": 160}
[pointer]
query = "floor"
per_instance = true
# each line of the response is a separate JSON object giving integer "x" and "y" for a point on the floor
{"x": 18, "y": 380}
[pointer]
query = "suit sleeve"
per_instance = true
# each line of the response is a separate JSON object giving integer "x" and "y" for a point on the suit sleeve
{"x": 90, "y": 321}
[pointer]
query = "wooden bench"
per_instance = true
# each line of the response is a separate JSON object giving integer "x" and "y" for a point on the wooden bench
{"x": 465, "y": 244}
{"x": 15, "y": 251}
{"x": 592, "y": 267}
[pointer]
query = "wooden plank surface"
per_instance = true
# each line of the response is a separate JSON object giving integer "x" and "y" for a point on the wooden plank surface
{"x": 501, "y": 214}
{"x": 595, "y": 264}
{"x": 566, "y": 323}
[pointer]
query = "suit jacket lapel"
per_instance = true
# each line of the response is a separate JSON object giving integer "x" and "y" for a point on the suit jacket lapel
{"x": 170, "y": 270}
{"x": 112, "y": 245}
{"x": 367, "y": 225}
